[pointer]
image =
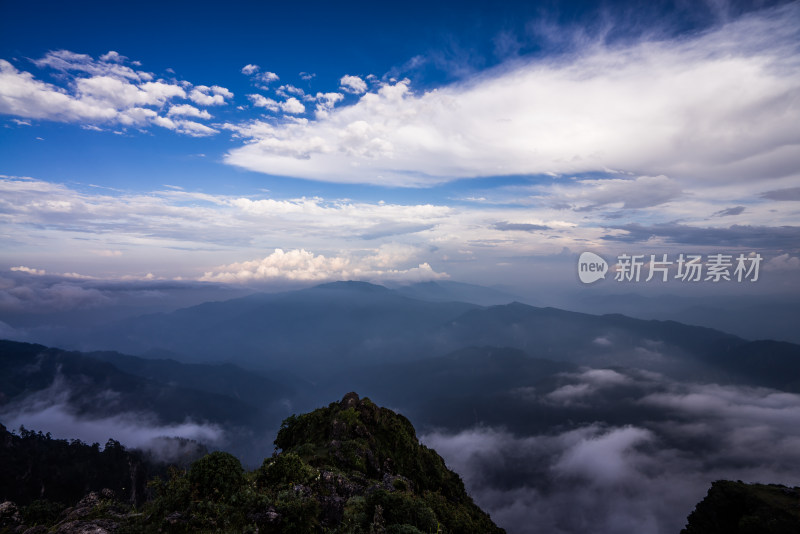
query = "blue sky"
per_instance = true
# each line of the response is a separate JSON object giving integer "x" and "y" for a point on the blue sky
{"x": 262, "y": 143}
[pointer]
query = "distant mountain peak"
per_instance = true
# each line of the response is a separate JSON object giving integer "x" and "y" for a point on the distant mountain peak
{"x": 353, "y": 285}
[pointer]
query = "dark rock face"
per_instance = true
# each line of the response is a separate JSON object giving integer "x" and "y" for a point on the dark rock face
{"x": 739, "y": 508}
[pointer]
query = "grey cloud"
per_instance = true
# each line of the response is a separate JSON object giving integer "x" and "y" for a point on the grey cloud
{"x": 522, "y": 227}
{"x": 737, "y": 210}
{"x": 642, "y": 473}
{"x": 757, "y": 237}
{"x": 790, "y": 193}
{"x": 391, "y": 229}
{"x": 52, "y": 410}
{"x": 639, "y": 193}
{"x": 49, "y": 294}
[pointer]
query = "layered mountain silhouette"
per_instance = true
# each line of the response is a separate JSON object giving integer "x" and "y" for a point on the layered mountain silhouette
{"x": 351, "y": 324}
{"x": 458, "y": 370}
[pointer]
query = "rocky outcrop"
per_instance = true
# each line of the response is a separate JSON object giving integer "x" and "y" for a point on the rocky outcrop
{"x": 351, "y": 467}
{"x": 96, "y": 513}
{"x": 739, "y": 508}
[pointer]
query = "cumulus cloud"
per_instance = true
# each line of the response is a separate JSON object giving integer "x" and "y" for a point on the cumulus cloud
{"x": 302, "y": 265}
{"x": 188, "y": 111}
{"x": 268, "y": 77}
{"x": 209, "y": 96}
{"x": 659, "y": 107}
{"x": 293, "y": 106}
{"x": 783, "y": 262}
{"x": 104, "y": 91}
{"x": 23, "y": 269}
{"x": 290, "y": 105}
{"x": 353, "y": 84}
{"x": 261, "y": 101}
{"x": 288, "y": 89}
{"x": 250, "y": 69}
{"x": 326, "y": 102}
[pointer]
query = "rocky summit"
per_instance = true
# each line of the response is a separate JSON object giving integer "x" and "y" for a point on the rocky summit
{"x": 351, "y": 467}
{"x": 739, "y": 508}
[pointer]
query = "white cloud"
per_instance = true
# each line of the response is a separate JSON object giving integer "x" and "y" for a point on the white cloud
{"x": 643, "y": 477}
{"x": 353, "y": 84}
{"x": 649, "y": 108}
{"x": 784, "y": 262}
{"x": 639, "y": 192}
{"x": 22, "y": 95}
{"x": 290, "y": 89}
{"x": 268, "y": 77}
{"x": 302, "y": 265}
{"x": 603, "y": 459}
{"x": 23, "y": 269}
{"x": 590, "y": 382}
{"x": 326, "y": 102}
{"x": 217, "y": 90}
{"x": 202, "y": 229}
{"x": 188, "y": 111}
{"x": 50, "y": 410}
{"x": 264, "y": 102}
{"x": 122, "y": 94}
{"x": 109, "y": 65}
{"x": 112, "y": 56}
{"x": 192, "y": 128}
{"x": 292, "y": 105}
{"x": 107, "y": 95}
{"x": 209, "y": 96}
{"x": 108, "y": 253}
{"x": 48, "y": 296}
{"x": 250, "y": 69}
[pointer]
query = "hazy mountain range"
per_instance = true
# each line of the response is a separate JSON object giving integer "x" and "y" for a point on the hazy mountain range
{"x": 537, "y": 408}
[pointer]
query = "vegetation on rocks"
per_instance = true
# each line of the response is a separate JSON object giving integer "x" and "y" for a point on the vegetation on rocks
{"x": 351, "y": 467}
{"x": 739, "y": 508}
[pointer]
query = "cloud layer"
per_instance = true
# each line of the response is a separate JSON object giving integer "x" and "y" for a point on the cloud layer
{"x": 645, "y": 476}
{"x": 50, "y": 410}
{"x": 656, "y": 107}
